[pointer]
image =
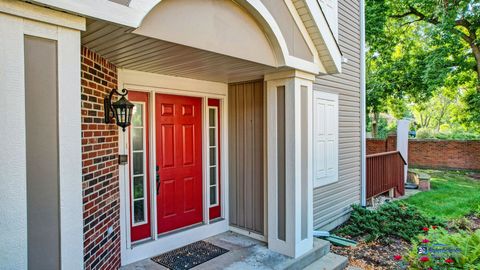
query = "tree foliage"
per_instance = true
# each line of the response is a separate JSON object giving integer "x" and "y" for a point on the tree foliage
{"x": 422, "y": 59}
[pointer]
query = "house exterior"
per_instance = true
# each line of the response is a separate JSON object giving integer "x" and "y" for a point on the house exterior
{"x": 248, "y": 117}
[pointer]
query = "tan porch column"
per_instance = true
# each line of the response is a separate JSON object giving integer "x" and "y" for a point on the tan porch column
{"x": 289, "y": 162}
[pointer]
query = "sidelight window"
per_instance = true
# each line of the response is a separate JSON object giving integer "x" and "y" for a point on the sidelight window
{"x": 138, "y": 165}
{"x": 213, "y": 155}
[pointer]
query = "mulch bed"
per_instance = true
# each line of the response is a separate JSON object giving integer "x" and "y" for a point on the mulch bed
{"x": 475, "y": 225}
{"x": 374, "y": 255}
{"x": 378, "y": 255}
{"x": 475, "y": 176}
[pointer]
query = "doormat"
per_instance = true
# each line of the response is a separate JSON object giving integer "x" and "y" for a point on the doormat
{"x": 189, "y": 256}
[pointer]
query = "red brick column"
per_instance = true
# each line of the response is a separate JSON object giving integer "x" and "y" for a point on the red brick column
{"x": 101, "y": 209}
{"x": 391, "y": 143}
{"x": 375, "y": 146}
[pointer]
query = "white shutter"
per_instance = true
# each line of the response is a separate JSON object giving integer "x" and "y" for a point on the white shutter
{"x": 325, "y": 138}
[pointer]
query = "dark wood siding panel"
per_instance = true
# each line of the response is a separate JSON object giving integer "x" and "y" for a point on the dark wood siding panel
{"x": 246, "y": 170}
{"x": 333, "y": 201}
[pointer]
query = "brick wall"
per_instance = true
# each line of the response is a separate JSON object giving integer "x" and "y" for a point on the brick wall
{"x": 375, "y": 146}
{"x": 101, "y": 209}
{"x": 444, "y": 154}
{"x": 440, "y": 154}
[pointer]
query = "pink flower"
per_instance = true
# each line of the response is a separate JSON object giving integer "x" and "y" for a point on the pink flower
{"x": 449, "y": 260}
{"x": 425, "y": 229}
{"x": 397, "y": 257}
{"x": 425, "y": 241}
{"x": 424, "y": 259}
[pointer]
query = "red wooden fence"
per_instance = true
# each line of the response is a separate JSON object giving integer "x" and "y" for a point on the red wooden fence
{"x": 384, "y": 172}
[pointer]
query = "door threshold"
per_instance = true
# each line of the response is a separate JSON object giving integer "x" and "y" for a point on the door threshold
{"x": 172, "y": 240}
{"x": 142, "y": 241}
{"x": 186, "y": 228}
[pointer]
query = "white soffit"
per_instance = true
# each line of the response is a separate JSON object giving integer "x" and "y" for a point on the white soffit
{"x": 135, "y": 52}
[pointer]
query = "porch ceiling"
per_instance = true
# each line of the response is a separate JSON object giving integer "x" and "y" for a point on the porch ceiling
{"x": 136, "y": 52}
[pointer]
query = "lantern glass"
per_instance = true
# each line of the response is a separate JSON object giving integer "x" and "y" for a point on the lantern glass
{"x": 123, "y": 112}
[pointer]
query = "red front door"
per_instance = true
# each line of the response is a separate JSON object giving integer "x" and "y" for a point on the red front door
{"x": 179, "y": 161}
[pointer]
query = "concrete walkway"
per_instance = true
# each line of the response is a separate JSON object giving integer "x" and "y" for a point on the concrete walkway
{"x": 244, "y": 253}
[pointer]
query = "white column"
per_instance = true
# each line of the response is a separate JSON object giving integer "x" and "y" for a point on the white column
{"x": 18, "y": 19}
{"x": 403, "y": 127}
{"x": 289, "y": 162}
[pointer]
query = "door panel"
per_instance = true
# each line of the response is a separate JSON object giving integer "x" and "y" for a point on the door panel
{"x": 139, "y": 167}
{"x": 179, "y": 156}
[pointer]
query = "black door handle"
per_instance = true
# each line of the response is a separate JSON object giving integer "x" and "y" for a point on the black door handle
{"x": 158, "y": 179}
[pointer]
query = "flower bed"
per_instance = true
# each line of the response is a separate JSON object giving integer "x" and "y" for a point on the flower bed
{"x": 438, "y": 248}
{"x": 392, "y": 237}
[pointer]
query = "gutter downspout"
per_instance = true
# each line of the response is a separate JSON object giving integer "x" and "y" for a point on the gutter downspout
{"x": 363, "y": 193}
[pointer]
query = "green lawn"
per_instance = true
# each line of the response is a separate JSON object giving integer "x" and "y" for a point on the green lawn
{"x": 453, "y": 195}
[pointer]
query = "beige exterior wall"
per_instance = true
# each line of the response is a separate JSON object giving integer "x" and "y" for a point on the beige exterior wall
{"x": 220, "y": 26}
{"x": 297, "y": 46}
{"x": 331, "y": 203}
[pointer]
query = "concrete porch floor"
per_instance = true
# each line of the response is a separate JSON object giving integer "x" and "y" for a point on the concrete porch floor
{"x": 245, "y": 253}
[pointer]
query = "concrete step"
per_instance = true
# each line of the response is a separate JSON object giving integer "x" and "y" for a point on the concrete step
{"x": 330, "y": 261}
{"x": 320, "y": 249}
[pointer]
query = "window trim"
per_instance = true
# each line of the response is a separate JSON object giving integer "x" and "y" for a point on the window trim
{"x": 209, "y": 166}
{"x": 144, "y": 174}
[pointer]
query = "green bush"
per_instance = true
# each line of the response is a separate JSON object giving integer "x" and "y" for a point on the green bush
{"x": 441, "y": 249}
{"x": 425, "y": 133}
{"x": 428, "y": 133}
{"x": 392, "y": 219}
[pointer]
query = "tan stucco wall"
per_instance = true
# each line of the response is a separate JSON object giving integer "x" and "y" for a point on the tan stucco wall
{"x": 225, "y": 27}
{"x": 295, "y": 42}
{"x": 219, "y": 26}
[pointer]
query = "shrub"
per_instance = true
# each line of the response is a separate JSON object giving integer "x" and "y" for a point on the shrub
{"x": 392, "y": 219}
{"x": 462, "y": 223}
{"x": 440, "y": 249}
{"x": 425, "y": 133}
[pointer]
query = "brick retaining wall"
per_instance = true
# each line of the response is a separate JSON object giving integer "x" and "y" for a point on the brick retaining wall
{"x": 439, "y": 154}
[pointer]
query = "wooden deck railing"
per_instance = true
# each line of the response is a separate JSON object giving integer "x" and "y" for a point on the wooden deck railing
{"x": 385, "y": 171}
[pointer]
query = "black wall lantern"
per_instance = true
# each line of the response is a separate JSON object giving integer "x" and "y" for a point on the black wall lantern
{"x": 120, "y": 109}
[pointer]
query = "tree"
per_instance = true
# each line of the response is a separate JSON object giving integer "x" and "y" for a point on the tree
{"x": 438, "y": 110}
{"x": 397, "y": 60}
{"x": 460, "y": 19}
{"x": 416, "y": 50}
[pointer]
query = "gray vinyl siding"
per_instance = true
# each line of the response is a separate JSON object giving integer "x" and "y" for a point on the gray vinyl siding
{"x": 246, "y": 155}
{"x": 331, "y": 203}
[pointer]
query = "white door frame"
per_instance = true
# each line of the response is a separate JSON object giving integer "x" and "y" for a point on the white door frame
{"x": 153, "y": 84}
